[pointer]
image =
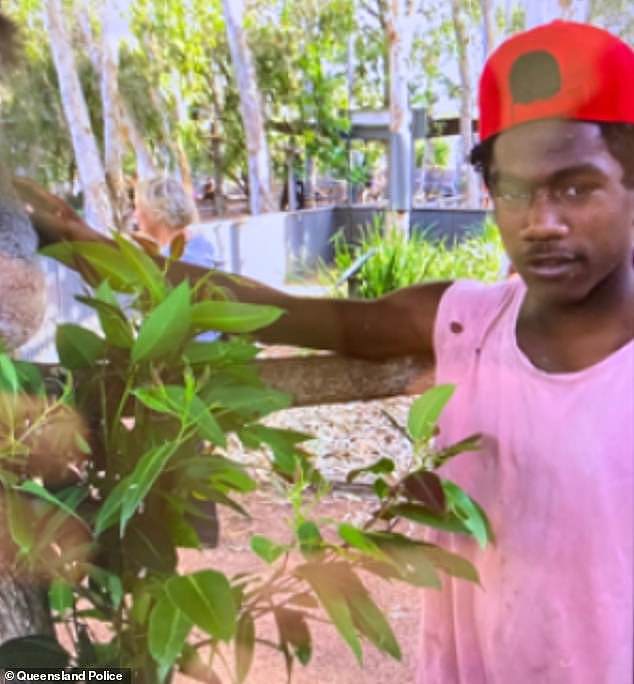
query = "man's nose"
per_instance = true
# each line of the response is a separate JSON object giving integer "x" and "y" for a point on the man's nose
{"x": 544, "y": 220}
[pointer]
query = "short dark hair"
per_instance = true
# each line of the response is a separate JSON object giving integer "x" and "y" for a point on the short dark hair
{"x": 618, "y": 137}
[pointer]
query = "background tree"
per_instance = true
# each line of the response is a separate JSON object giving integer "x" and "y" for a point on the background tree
{"x": 463, "y": 42}
{"x": 260, "y": 196}
{"x": 91, "y": 173}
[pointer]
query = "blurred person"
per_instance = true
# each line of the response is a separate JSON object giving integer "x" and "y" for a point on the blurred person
{"x": 163, "y": 211}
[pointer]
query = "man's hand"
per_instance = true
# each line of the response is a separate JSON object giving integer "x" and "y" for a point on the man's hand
{"x": 53, "y": 219}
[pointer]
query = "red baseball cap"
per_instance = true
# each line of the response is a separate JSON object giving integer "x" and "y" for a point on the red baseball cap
{"x": 559, "y": 70}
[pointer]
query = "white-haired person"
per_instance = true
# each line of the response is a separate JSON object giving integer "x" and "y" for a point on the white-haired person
{"x": 164, "y": 210}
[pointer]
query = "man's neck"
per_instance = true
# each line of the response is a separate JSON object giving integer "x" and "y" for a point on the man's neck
{"x": 563, "y": 337}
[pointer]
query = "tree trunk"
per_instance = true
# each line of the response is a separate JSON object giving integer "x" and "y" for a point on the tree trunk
{"x": 260, "y": 196}
{"x": 23, "y": 609}
{"x": 399, "y": 27}
{"x": 113, "y": 139}
{"x": 490, "y": 31}
{"x": 91, "y": 174}
{"x": 310, "y": 172}
{"x": 145, "y": 166}
{"x": 182, "y": 162}
{"x": 216, "y": 156}
{"x": 466, "y": 103}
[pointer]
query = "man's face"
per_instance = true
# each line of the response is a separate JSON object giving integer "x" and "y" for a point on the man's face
{"x": 566, "y": 219}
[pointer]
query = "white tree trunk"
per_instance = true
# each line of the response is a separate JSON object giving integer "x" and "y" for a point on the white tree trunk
{"x": 182, "y": 161}
{"x": 91, "y": 174}
{"x": 466, "y": 103}
{"x": 113, "y": 138}
{"x": 260, "y": 196}
{"x": 399, "y": 24}
{"x": 145, "y": 166}
{"x": 490, "y": 29}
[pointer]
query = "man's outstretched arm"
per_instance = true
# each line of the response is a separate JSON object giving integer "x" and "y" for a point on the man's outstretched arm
{"x": 398, "y": 324}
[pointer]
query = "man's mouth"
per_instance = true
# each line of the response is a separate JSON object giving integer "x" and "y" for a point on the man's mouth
{"x": 552, "y": 266}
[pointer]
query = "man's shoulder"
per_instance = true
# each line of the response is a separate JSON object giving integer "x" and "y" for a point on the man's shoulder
{"x": 467, "y": 309}
{"x": 478, "y": 296}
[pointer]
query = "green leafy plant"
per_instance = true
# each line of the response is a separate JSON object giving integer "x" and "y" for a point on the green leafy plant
{"x": 398, "y": 261}
{"x": 160, "y": 405}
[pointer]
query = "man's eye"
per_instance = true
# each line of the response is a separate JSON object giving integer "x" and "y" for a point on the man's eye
{"x": 575, "y": 191}
{"x": 512, "y": 194}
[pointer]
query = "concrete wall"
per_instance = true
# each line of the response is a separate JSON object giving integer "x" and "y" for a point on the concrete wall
{"x": 272, "y": 247}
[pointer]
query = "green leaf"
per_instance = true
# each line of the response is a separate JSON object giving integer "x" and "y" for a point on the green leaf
{"x": 382, "y": 466}
{"x": 78, "y": 347}
{"x": 408, "y": 557}
{"x": 283, "y": 443}
{"x": 113, "y": 322}
{"x": 29, "y": 377}
{"x": 381, "y": 488}
{"x": 110, "y": 585}
{"x": 471, "y": 443}
{"x": 206, "y": 598}
{"x": 228, "y": 474}
{"x": 359, "y": 540}
{"x": 235, "y": 351}
{"x": 165, "y": 328}
{"x": 60, "y": 251}
{"x": 192, "y": 665}
{"x": 35, "y": 650}
{"x": 60, "y": 596}
{"x": 36, "y": 489}
{"x": 233, "y": 317}
{"x": 20, "y": 520}
{"x": 310, "y": 540}
{"x": 324, "y": 579}
{"x": 452, "y": 564}
{"x": 147, "y": 271}
{"x": 425, "y": 411}
{"x": 420, "y": 514}
{"x": 169, "y": 628}
{"x": 245, "y": 646}
{"x": 109, "y": 511}
{"x": 468, "y": 511}
{"x": 141, "y": 479}
{"x": 106, "y": 261}
{"x": 207, "y": 425}
{"x": 8, "y": 374}
{"x": 249, "y": 400}
{"x": 369, "y": 620}
{"x": 156, "y": 399}
{"x": 266, "y": 548}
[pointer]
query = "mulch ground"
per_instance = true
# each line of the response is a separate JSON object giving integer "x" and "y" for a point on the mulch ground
{"x": 349, "y": 435}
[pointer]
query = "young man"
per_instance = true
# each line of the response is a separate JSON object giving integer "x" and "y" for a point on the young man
{"x": 543, "y": 363}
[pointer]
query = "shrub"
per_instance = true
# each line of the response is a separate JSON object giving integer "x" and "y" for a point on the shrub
{"x": 399, "y": 261}
{"x": 161, "y": 404}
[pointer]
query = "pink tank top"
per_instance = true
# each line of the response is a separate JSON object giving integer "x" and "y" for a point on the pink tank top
{"x": 555, "y": 476}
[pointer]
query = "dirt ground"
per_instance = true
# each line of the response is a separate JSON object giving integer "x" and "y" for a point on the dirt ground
{"x": 332, "y": 661}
